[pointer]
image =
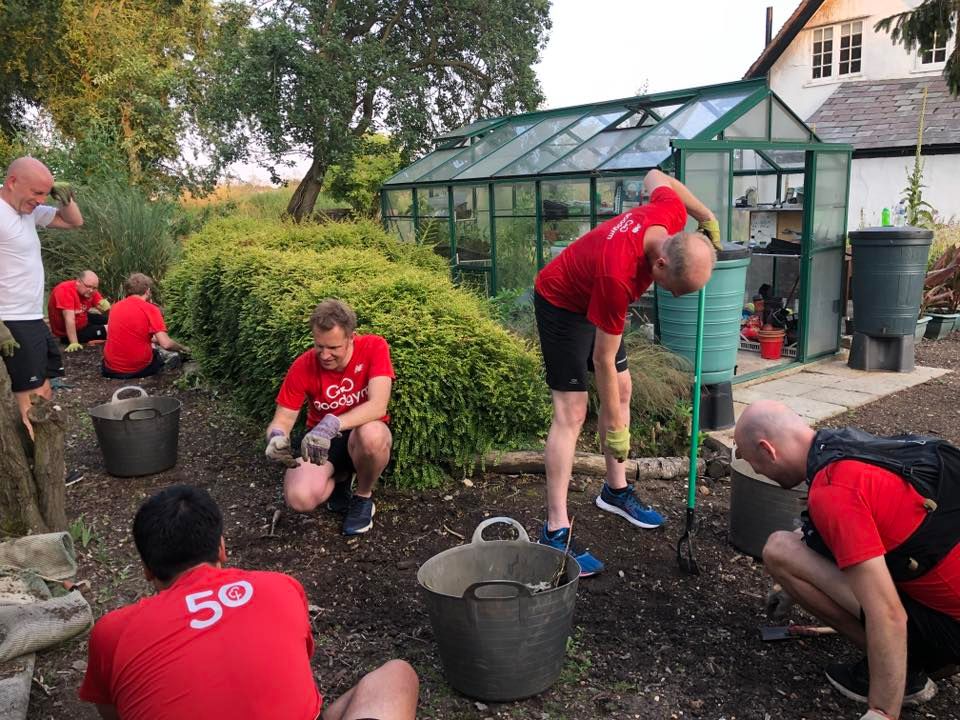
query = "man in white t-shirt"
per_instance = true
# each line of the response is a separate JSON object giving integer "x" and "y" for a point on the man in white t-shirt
{"x": 28, "y": 349}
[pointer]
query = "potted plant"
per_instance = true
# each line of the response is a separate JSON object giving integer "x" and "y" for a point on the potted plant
{"x": 941, "y": 294}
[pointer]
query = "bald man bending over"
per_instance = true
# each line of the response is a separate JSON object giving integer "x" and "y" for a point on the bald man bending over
{"x": 581, "y": 300}
{"x": 836, "y": 568}
{"x": 29, "y": 351}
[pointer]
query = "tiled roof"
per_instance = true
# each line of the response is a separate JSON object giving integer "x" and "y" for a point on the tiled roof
{"x": 874, "y": 114}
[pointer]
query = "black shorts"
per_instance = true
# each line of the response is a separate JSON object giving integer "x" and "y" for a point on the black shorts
{"x": 338, "y": 456}
{"x": 95, "y": 329}
{"x": 566, "y": 340}
{"x": 37, "y": 359}
{"x": 155, "y": 366}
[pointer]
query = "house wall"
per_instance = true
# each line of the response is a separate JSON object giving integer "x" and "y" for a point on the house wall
{"x": 876, "y": 183}
{"x": 791, "y": 75}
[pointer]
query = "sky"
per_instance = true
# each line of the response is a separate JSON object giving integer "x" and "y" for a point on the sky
{"x": 606, "y": 49}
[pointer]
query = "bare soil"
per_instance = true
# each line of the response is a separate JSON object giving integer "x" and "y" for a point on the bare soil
{"x": 650, "y": 642}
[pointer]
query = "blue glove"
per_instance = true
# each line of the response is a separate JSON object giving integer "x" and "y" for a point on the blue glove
{"x": 316, "y": 443}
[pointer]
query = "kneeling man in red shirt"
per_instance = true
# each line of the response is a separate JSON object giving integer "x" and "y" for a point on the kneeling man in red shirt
{"x": 216, "y": 642}
{"x": 69, "y": 311}
{"x": 862, "y": 517}
{"x": 346, "y": 380}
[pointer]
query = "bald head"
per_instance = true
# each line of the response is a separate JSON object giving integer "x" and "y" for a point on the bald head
{"x": 87, "y": 283}
{"x": 775, "y": 441}
{"x": 685, "y": 264}
{"x": 26, "y": 185}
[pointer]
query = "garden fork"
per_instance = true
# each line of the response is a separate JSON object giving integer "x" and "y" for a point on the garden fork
{"x": 685, "y": 558}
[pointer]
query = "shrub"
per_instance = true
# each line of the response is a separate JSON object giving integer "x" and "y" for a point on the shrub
{"x": 123, "y": 232}
{"x": 242, "y": 296}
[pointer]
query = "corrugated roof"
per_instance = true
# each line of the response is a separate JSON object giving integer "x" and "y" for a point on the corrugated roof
{"x": 875, "y": 114}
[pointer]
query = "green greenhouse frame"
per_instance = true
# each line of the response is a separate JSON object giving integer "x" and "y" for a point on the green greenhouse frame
{"x": 501, "y": 196}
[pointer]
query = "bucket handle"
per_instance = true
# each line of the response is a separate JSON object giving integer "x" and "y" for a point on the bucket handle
{"x": 128, "y": 413}
{"x": 478, "y": 533}
{"x": 116, "y": 395}
{"x": 472, "y": 600}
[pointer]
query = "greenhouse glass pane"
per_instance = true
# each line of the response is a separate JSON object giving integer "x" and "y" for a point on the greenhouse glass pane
{"x": 523, "y": 144}
{"x": 618, "y": 195}
{"x": 499, "y": 137}
{"x": 566, "y": 212}
{"x": 472, "y": 224}
{"x": 593, "y": 153}
{"x": 793, "y": 159}
{"x": 748, "y": 160}
{"x": 830, "y": 198}
{"x": 422, "y": 166}
{"x": 515, "y": 199}
{"x": 399, "y": 203}
{"x": 558, "y": 146}
{"x": 432, "y": 202}
{"x": 784, "y": 127}
{"x": 471, "y": 129}
{"x": 654, "y": 147}
{"x": 752, "y": 125}
{"x": 516, "y": 253}
{"x": 401, "y": 229}
{"x": 708, "y": 178}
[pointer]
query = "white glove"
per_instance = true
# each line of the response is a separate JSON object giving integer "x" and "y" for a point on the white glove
{"x": 872, "y": 714}
{"x": 278, "y": 449}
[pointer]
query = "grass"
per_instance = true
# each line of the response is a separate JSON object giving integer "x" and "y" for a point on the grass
{"x": 256, "y": 201}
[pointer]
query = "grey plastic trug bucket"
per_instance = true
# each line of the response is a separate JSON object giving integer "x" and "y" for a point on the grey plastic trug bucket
{"x": 137, "y": 436}
{"x": 497, "y": 639}
{"x": 759, "y": 507}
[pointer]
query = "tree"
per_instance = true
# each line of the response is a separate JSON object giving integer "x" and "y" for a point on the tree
{"x": 930, "y": 23}
{"x": 313, "y": 76}
{"x": 357, "y": 181}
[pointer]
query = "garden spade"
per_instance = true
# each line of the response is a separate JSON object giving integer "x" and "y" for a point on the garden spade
{"x": 685, "y": 558}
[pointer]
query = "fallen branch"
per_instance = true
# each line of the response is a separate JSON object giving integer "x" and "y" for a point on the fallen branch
{"x": 531, "y": 462}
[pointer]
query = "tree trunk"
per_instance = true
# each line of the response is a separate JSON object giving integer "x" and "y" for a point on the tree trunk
{"x": 305, "y": 196}
{"x": 531, "y": 461}
{"x": 25, "y": 498}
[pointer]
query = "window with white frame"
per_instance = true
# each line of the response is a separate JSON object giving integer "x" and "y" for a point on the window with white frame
{"x": 822, "y": 52}
{"x": 936, "y": 54}
{"x": 851, "y": 48}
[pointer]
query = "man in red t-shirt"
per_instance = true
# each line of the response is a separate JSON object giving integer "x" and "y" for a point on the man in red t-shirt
{"x": 138, "y": 344}
{"x": 581, "y": 300}
{"x": 346, "y": 380}
{"x": 69, "y": 311}
{"x": 214, "y": 642}
{"x": 861, "y": 512}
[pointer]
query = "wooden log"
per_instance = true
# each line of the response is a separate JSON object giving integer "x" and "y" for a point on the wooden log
{"x": 531, "y": 462}
{"x": 49, "y": 466}
{"x": 19, "y": 509}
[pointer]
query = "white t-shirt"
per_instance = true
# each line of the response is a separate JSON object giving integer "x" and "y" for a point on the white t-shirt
{"x": 21, "y": 268}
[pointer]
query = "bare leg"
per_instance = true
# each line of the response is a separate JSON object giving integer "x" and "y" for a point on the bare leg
{"x": 569, "y": 412}
{"x": 369, "y": 448}
{"x": 307, "y": 485}
{"x": 388, "y": 693}
{"x": 23, "y": 402}
{"x": 815, "y": 583}
{"x": 616, "y": 471}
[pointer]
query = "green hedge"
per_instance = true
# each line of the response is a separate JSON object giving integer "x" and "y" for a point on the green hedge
{"x": 242, "y": 295}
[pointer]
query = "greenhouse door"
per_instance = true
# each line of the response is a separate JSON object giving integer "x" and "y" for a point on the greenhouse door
{"x": 826, "y": 185}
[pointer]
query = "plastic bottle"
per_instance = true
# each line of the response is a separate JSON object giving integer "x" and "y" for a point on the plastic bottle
{"x": 885, "y": 217}
{"x": 900, "y": 215}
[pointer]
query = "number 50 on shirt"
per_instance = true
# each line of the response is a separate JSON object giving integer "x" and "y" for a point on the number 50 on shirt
{"x": 231, "y": 595}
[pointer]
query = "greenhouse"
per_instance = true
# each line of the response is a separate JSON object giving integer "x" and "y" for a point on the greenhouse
{"x": 502, "y": 196}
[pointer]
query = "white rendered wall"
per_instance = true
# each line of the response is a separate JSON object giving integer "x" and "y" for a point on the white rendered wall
{"x": 876, "y": 183}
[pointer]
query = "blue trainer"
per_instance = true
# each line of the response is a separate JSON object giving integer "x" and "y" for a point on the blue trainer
{"x": 626, "y": 504}
{"x": 589, "y": 565}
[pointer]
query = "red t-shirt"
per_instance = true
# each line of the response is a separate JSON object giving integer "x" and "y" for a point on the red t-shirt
{"x": 133, "y": 322}
{"x": 862, "y": 511}
{"x": 602, "y": 272}
{"x": 65, "y": 296}
{"x": 218, "y": 643}
{"x": 332, "y": 392}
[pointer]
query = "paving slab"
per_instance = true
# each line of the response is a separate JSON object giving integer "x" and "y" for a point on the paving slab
{"x": 810, "y": 409}
{"x": 787, "y": 386}
{"x": 839, "y": 396}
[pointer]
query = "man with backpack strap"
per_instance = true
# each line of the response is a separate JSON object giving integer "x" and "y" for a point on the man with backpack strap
{"x": 878, "y": 557}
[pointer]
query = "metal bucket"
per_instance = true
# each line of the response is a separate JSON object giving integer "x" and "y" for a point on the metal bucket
{"x": 499, "y": 640}
{"x": 137, "y": 436}
{"x": 760, "y": 507}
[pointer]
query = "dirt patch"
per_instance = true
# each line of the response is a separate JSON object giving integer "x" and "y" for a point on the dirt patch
{"x": 649, "y": 641}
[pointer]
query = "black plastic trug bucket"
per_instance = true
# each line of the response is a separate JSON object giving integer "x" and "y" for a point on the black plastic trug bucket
{"x": 759, "y": 507}
{"x": 498, "y": 639}
{"x": 137, "y": 436}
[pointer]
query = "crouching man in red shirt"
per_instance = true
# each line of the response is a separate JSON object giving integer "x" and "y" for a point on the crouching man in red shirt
{"x": 346, "y": 380}
{"x": 69, "y": 311}
{"x": 216, "y": 642}
{"x": 837, "y": 567}
{"x": 581, "y": 300}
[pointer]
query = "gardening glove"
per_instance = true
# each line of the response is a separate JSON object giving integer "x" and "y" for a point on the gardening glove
{"x": 104, "y": 305}
{"x": 711, "y": 228}
{"x": 8, "y": 346}
{"x": 316, "y": 443}
{"x": 63, "y": 193}
{"x": 778, "y": 603}
{"x": 278, "y": 449}
{"x": 873, "y": 714}
{"x": 73, "y": 347}
{"x": 618, "y": 443}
